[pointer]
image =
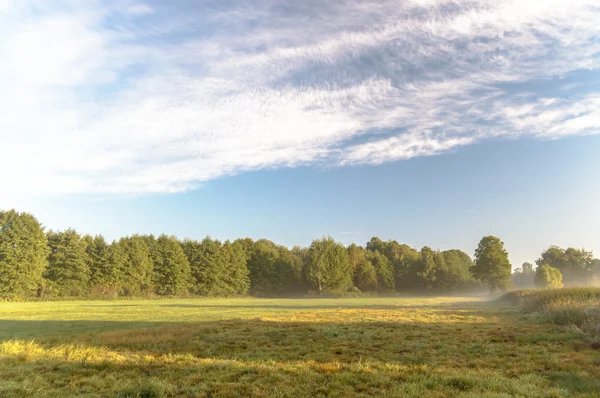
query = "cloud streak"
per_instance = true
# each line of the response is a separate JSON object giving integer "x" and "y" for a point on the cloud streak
{"x": 138, "y": 97}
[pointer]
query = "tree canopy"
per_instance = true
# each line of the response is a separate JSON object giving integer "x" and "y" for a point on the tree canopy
{"x": 65, "y": 264}
{"x": 491, "y": 264}
{"x": 23, "y": 254}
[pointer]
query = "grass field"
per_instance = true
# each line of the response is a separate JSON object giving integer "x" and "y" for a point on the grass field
{"x": 421, "y": 347}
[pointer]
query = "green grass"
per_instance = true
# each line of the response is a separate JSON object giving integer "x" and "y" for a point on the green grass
{"x": 414, "y": 347}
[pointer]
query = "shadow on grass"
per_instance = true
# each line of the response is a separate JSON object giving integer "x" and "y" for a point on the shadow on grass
{"x": 276, "y": 352}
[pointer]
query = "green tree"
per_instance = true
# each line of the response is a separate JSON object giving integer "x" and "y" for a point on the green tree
{"x": 453, "y": 271}
{"x": 68, "y": 268}
{"x": 491, "y": 264}
{"x": 365, "y": 275}
{"x": 23, "y": 254}
{"x": 237, "y": 276}
{"x": 102, "y": 270}
{"x": 132, "y": 265}
{"x": 171, "y": 275}
{"x": 426, "y": 271}
{"x": 576, "y": 265}
{"x": 383, "y": 270}
{"x": 218, "y": 269}
{"x": 356, "y": 256}
{"x": 548, "y": 277}
{"x": 404, "y": 259}
{"x": 328, "y": 268}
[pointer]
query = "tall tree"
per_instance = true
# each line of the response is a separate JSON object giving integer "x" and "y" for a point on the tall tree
{"x": 576, "y": 265}
{"x": 237, "y": 276}
{"x": 383, "y": 270}
{"x": 132, "y": 265}
{"x": 404, "y": 259}
{"x": 452, "y": 271}
{"x": 68, "y": 268}
{"x": 328, "y": 268}
{"x": 23, "y": 254}
{"x": 218, "y": 269}
{"x": 426, "y": 271}
{"x": 491, "y": 264}
{"x": 172, "y": 275}
{"x": 102, "y": 271}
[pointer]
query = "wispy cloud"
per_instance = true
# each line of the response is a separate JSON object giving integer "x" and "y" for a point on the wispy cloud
{"x": 150, "y": 96}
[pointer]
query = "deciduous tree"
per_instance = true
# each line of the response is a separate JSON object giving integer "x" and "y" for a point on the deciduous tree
{"x": 491, "y": 264}
{"x": 23, "y": 254}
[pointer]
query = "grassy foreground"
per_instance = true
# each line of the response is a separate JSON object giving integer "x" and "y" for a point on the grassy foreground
{"x": 425, "y": 347}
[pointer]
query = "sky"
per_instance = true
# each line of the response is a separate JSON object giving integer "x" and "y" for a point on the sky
{"x": 429, "y": 122}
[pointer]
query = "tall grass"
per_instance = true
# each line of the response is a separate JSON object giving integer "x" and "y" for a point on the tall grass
{"x": 578, "y": 307}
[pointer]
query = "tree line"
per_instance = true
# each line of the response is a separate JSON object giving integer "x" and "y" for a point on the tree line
{"x": 39, "y": 264}
{"x": 557, "y": 267}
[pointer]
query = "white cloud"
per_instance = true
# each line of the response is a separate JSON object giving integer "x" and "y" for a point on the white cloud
{"x": 143, "y": 97}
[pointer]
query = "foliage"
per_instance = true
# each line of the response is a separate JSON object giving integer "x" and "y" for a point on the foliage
{"x": 328, "y": 267}
{"x": 131, "y": 266}
{"x": 548, "y": 277}
{"x": 171, "y": 274}
{"x": 217, "y": 269}
{"x": 576, "y": 265}
{"x": 143, "y": 265}
{"x": 274, "y": 270}
{"x": 384, "y": 271}
{"x": 68, "y": 264}
{"x": 102, "y": 270}
{"x": 452, "y": 271}
{"x": 491, "y": 264}
{"x": 23, "y": 255}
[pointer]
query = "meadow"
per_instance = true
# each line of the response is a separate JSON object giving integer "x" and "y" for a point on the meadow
{"x": 387, "y": 347}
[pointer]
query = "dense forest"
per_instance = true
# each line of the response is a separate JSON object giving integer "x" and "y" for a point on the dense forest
{"x": 44, "y": 265}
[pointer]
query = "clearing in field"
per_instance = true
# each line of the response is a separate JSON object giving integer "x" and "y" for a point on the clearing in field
{"x": 426, "y": 347}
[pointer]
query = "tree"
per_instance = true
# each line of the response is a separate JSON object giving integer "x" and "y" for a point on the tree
{"x": 356, "y": 256}
{"x": 132, "y": 265}
{"x": 171, "y": 275}
{"x": 426, "y": 271}
{"x": 491, "y": 264}
{"x": 365, "y": 276}
{"x": 453, "y": 271}
{"x": 383, "y": 270}
{"x": 68, "y": 268}
{"x": 523, "y": 278}
{"x": 548, "y": 277}
{"x": 23, "y": 254}
{"x": 527, "y": 268}
{"x": 404, "y": 259}
{"x": 237, "y": 276}
{"x": 328, "y": 268}
{"x": 266, "y": 271}
{"x": 218, "y": 269}
{"x": 102, "y": 271}
{"x": 576, "y": 265}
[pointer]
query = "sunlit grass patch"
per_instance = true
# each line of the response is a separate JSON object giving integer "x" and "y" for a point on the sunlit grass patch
{"x": 234, "y": 348}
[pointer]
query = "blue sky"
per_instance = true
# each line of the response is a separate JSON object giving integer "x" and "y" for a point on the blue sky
{"x": 430, "y": 122}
